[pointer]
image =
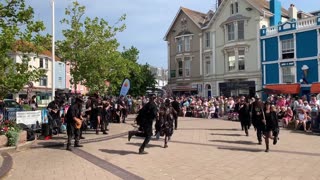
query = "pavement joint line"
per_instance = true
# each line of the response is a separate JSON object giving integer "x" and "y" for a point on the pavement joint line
{"x": 115, "y": 170}
{"x": 235, "y": 148}
{"x": 6, "y": 164}
{"x": 85, "y": 141}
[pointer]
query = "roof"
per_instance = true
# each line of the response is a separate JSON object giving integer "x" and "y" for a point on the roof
{"x": 264, "y": 6}
{"x": 29, "y": 47}
{"x": 261, "y": 5}
{"x": 198, "y": 18}
{"x": 235, "y": 18}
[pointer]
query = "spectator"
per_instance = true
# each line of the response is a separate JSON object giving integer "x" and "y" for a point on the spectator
{"x": 287, "y": 117}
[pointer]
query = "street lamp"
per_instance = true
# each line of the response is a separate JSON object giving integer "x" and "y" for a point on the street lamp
{"x": 53, "y": 51}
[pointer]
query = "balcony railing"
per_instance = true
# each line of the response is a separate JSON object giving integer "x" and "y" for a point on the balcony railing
{"x": 300, "y": 24}
{"x": 308, "y": 22}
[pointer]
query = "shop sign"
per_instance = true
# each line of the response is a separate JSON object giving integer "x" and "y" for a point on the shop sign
{"x": 284, "y": 64}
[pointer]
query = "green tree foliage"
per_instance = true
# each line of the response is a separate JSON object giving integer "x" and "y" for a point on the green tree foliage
{"x": 19, "y": 36}
{"x": 91, "y": 48}
{"x": 140, "y": 75}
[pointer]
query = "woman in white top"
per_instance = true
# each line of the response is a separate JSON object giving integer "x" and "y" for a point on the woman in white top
{"x": 301, "y": 119}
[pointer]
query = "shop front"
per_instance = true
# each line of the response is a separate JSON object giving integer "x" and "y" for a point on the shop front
{"x": 237, "y": 88}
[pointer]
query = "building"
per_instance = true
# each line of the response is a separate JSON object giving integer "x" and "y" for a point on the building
{"x": 233, "y": 55}
{"x": 60, "y": 75}
{"x": 161, "y": 76}
{"x": 184, "y": 39}
{"x": 43, "y": 88}
{"x": 80, "y": 88}
{"x": 217, "y": 53}
{"x": 290, "y": 54}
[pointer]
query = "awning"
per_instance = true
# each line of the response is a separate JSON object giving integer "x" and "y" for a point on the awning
{"x": 315, "y": 88}
{"x": 284, "y": 88}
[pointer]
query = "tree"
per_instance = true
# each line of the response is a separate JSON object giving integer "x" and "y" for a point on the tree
{"x": 140, "y": 75}
{"x": 20, "y": 35}
{"x": 91, "y": 48}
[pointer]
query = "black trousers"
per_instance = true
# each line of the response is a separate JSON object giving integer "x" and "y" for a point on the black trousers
{"x": 260, "y": 131}
{"x": 104, "y": 122}
{"x": 176, "y": 122}
{"x": 146, "y": 133}
{"x": 73, "y": 132}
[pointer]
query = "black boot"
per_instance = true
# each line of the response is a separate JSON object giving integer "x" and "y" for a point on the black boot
{"x": 69, "y": 147}
{"x": 275, "y": 140}
{"x": 130, "y": 134}
{"x": 267, "y": 147}
{"x": 97, "y": 132}
{"x": 141, "y": 151}
{"x": 76, "y": 144}
{"x": 104, "y": 132}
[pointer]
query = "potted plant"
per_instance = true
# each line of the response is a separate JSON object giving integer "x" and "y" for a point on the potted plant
{"x": 11, "y": 131}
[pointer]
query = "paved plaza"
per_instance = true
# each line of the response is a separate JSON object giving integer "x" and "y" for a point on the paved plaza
{"x": 199, "y": 149}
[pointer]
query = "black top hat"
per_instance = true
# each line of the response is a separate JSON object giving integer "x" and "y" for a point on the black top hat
{"x": 79, "y": 99}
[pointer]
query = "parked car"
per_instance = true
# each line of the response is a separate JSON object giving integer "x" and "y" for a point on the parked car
{"x": 9, "y": 107}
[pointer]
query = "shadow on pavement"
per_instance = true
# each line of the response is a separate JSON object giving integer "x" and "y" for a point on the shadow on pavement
{"x": 148, "y": 146}
{"x": 51, "y": 145}
{"x": 208, "y": 129}
{"x": 235, "y": 142}
{"x": 120, "y": 152}
{"x": 220, "y": 134}
{"x": 239, "y": 149}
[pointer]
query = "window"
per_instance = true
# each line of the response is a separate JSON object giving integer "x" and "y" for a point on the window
{"x": 231, "y": 61}
{"x": 179, "y": 46}
{"x": 60, "y": 81}
{"x": 237, "y": 7}
{"x": 288, "y": 74}
{"x": 207, "y": 66}
{"x": 43, "y": 81}
{"x": 230, "y": 28}
{"x": 240, "y": 30}
{"x": 187, "y": 43}
{"x": 43, "y": 63}
{"x": 241, "y": 59}
{"x": 187, "y": 66}
{"x": 207, "y": 39}
{"x": 180, "y": 68}
{"x": 231, "y": 9}
{"x": 287, "y": 49}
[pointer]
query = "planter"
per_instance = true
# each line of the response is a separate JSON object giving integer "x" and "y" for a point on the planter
{"x": 21, "y": 139}
{"x": 3, "y": 141}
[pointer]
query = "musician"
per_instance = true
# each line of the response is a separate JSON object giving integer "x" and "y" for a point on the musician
{"x": 150, "y": 112}
{"x": 74, "y": 121}
{"x": 54, "y": 114}
{"x": 123, "y": 108}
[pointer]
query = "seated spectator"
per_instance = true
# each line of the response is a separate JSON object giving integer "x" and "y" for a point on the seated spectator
{"x": 288, "y": 115}
{"x": 282, "y": 111}
{"x": 302, "y": 119}
{"x": 306, "y": 107}
{"x": 212, "y": 111}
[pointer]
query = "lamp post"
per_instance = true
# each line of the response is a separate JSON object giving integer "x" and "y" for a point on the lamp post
{"x": 53, "y": 51}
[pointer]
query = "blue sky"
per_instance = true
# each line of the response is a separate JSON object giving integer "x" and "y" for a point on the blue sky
{"x": 147, "y": 20}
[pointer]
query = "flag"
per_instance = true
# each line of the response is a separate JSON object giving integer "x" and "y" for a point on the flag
{"x": 125, "y": 87}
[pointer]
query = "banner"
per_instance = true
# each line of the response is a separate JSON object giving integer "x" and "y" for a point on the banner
{"x": 125, "y": 87}
{"x": 28, "y": 117}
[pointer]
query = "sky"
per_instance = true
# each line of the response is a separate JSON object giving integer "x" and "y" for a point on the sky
{"x": 147, "y": 20}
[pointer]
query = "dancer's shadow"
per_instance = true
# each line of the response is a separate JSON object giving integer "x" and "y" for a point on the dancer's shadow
{"x": 148, "y": 146}
{"x": 239, "y": 149}
{"x": 208, "y": 129}
{"x": 220, "y": 134}
{"x": 120, "y": 152}
{"x": 235, "y": 142}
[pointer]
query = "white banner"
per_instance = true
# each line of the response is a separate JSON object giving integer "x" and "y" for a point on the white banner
{"x": 28, "y": 117}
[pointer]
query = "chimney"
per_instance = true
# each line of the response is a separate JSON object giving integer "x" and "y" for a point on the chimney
{"x": 293, "y": 12}
{"x": 275, "y": 8}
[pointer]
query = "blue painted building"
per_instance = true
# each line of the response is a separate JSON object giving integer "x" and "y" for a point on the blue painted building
{"x": 60, "y": 75}
{"x": 290, "y": 54}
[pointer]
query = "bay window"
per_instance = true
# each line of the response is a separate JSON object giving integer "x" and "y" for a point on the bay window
{"x": 187, "y": 64}
{"x": 231, "y": 61}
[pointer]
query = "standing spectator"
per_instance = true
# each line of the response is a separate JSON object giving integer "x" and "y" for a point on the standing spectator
{"x": 33, "y": 103}
{"x": 176, "y": 106}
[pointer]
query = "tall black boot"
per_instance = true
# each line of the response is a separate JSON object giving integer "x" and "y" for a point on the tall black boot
{"x": 69, "y": 147}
